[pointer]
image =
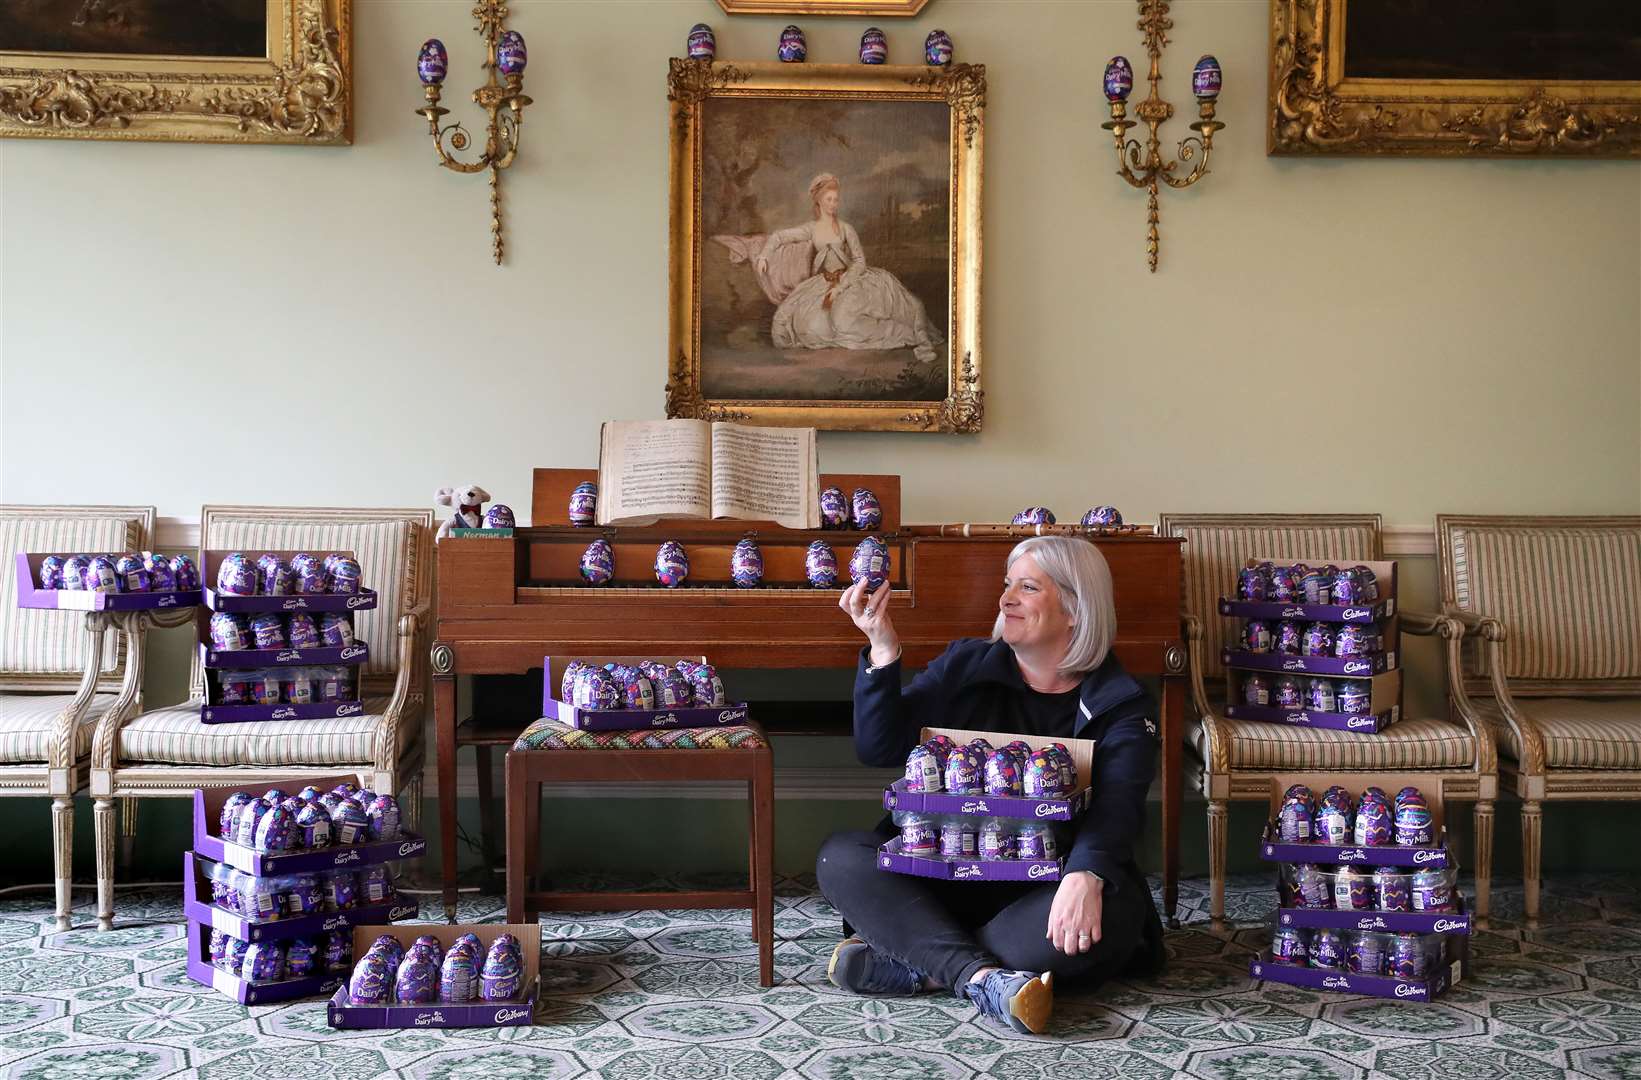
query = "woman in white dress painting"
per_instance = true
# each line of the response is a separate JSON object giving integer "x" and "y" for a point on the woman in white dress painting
{"x": 826, "y": 295}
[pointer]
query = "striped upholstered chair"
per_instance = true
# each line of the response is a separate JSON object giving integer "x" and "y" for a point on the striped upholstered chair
{"x": 169, "y": 752}
{"x": 1553, "y": 605}
{"x": 59, "y": 670}
{"x": 1239, "y": 758}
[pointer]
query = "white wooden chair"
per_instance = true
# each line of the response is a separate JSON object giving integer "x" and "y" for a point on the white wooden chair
{"x": 168, "y": 751}
{"x": 59, "y": 670}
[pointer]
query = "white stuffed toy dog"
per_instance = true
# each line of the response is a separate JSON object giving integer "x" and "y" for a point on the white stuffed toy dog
{"x": 469, "y": 503}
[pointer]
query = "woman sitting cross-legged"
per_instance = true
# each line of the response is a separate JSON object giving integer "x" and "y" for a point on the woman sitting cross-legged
{"x": 1046, "y": 671}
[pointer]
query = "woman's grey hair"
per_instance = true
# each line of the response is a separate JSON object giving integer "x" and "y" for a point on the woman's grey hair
{"x": 1080, "y": 572}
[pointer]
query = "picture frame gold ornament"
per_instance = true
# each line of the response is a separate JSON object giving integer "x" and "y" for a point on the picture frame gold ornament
{"x": 1316, "y": 109}
{"x": 300, "y": 93}
{"x": 868, "y": 8}
{"x": 962, "y": 88}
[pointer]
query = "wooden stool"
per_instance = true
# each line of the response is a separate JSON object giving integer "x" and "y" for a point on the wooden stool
{"x": 551, "y": 751}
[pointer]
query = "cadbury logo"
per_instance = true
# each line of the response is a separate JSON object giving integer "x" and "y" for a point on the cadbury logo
{"x": 1050, "y": 810}
{"x": 1354, "y": 613}
{"x": 1430, "y": 856}
{"x": 283, "y": 714}
{"x": 334, "y": 924}
{"x": 355, "y": 601}
{"x": 294, "y": 604}
{"x": 1355, "y": 667}
{"x": 507, "y": 1016}
{"x": 1299, "y": 718}
{"x": 1293, "y": 665}
{"x": 1359, "y": 721}
{"x": 1336, "y": 982}
{"x": 1443, "y": 926}
{"x": 288, "y": 656}
{"x": 976, "y": 806}
{"x": 731, "y": 714}
{"x": 1370, "y": 923}
{"x": 345, "y": 857}
{"x": 168, "y": 601}
{"x": 353, "y": 650}
{"x": 1352, "y": 855}
{"x": 1042, "y": 870}
{"x": 964, "y": 871}
{"x": 1408, "y": 990}
{"x": 424, "y": 1019}
{"x": 410, "y": 847}
{"x": 349, "y": 710}
{"x": 1293, "y": 613}
{"x": 664, "y": 720}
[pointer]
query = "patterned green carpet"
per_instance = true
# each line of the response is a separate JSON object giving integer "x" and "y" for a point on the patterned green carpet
{"x": 674, "y": 996}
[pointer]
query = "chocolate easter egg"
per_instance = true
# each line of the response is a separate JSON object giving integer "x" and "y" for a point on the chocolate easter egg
{"x": 313, "y": 827}
{"x": 344, "y": 576}
{"x": 245, "y": 826}
{"x": 302, "y": 895}
{"x": 302, "y": 632}
{"x": 274, "y": 576}
{"x": 595, "y": 691}
{"x": 51, "y": 572}
{"x": 870, "y": 563}
{"x": 820, "y": 566}
{"x": 134, "y": 577}
{"x": 228, "y": 816}
{"x": 793, "y": 48}
{"x": 706, "y": 689}
{"x": 874, "y": 47}
{"x": 502, "y": 976}
{"x": 937, "y": 48}
{"x": 637, "y": 691}
{"x": 997, "y": 840}
{"x": 264, "y": 962}
{"x": 276, "y": 830}
{"x": 237, "y": 576}
{"x": 100, "y": 575}
{"x": 1103, "y": 517}
{"x": 417, "y": 981}
{"x": 1374, "y": 824}
{"x": 338, "y": 951}
{"x": 566, "y": 682}
{"x": 309, "y": 578}
{"x": 511, "y": 56}
{"x": 184, "y": 572}
{"x": 1412, "y": 825}
{"x": 1119, "y": 79}
{"x": 458, "y": 977}
{"x": 1410, "y": 796}
{"x": 349, "y": 824}
{"x": 584, "y": 504}
{"x": 671, "y": 564}
{"x": 369, "y": 984}
{"x": 268, "y": 631}
{"x": 1316, "y": 640}
{"x": 1206, "y": 79}
{"x": 1034, "y": 515}
{"x": 702, "y": 44}
{"x": 229, "y": 632}
{"x": 347, "y": 789}
{"x": 1352, "y": 640}
{"x": 389, "y": 946}
{"x": 598, "y": 563}
{"x": 499, "y": 516}
{"x": 865, "y": 512}
{"x": 834, "y": 509}
{"x": 965, "y": 769}
{"x": 1284, "y": 584}
{"x": 1002, "y": 776}
{"x": 672, "y": 690}
{"x": 746, "y": 564}
{"x": 470, "y": 944}
{"x": 74, "y": 572}
{"x": 383, "y": 813}
{"x": 432, "y": 63}
{"x": 301, "y": 959}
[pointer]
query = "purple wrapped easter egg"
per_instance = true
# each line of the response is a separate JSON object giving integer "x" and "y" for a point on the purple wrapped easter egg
{"x": 1040, "y": 779}
{"x": 1413, "y": 825}
{"x": 340, "y": 889}
{"x": 302, "y": 895}
{"x": 1332, "y": 824}
{"x": 309, "y": 578}
{"x": 566, "y": 682}
{"x": 1343, "y": 588}
{"x": 1257, "y": 635}
{"x": 471, "y": 945}
{"x": 595, "y": 690}
{"x": 918, "y": 837}
{"x": 1034, "y": 515}
{"x": 671, "y": 564}
{"x": 874, "y": 47}
{"x": 349, "y": 824}
{"x": 706, "y": 688}
{"x": 417, "y": 981}
{"x": 264, "y": 962}
{"x": 1375, "y": 793}
{"x": 74, "y": 572}
{"x": 370, "y": 980}
{"x": 937, "y": 48}
{"x": 1327, "y": 949}
{"x": 637, "y": 691}
{"x": 383, "y": 814}
{"x": 267, "y": 631}
{"x": 51, "y": 572}
{"x": 959, "y": 838}
{"x": 834, "y": 509}
{"x": 870, "y": 563}
{"x": 1289, "y": 945}
{"x": 302, "y": 632}
{"x": 1354, "y": 696}
{"x": 335, "y": 630}
{"x": 1367, "y": 583}
{"x": 672, "y": 690}
{"x": 1284, "y": 585}
{"x": 1285, "y": 639}
{"x": 218, "y": 948}
{"x": 338, "y": 951}
{"x": 100, "y": 575}
{"x": 297, "y": 687}
{"x": 229, "y": 633}
{"x": 1410, "y": 796}
{"x": 746, "y": 564}
{"x": 964, "y": 771}
{"x": 245, "y": 826}
{"x": 184, "y": 574}
{"x": 584, "y": 504}
{"x": 1391, "y": 889}
{"x": 432, "y": 63}
{"x": 1118, "y": 82}
{"x": 943, "y": 742}
{"x": 793, "y": 48}
{"x": 1432, "y": 891}
{"x": 233, "y": 957}
{"x": 701, "y": 44}
{"x": 1373, "y": 824}
{"x": 996, "y": 840}
{"x": 274, "y": 576}
{"x": 1338, "y": 796}
{"x": 499, "y": 516}
{"x": 982, "y": 745}
{"x": 1293, "y": 822}
{"x": 458, "y": 977}
{"x": 374, "y": 884}
{"x": 1365, "y": 954}
{"x": 1037, "y": 841}
{"x": 923, "y": 770}
{"x": 1312, "y": 887}
{"x": 1102, "y": 517}
{"x": 1317, "y": 639}
{"x": 1001, "y": 775}
{"x": 228, "y": 817}
{"x": 309, "y": 794}
{"x": 1251, "y": 584}
{"x": 1316, "y": 587}
{"x": 865, "y": 512}
{"x": 511, "y": 56}
{"x": 345, "y": 577}
{"x": 598, "y": 563}
{"x": 1352, "y": 640}
{"x": 1206, "y": 78}
{"x": 503, "y": 973}
{"x": 301, "y": 959}
{"x": 1068, "y": 768}
{"x": 132, "y": 574}
{"x": 1256, "y": 690}
{"x": 160, "y": 577}
{"x": 1352, "y": 890}
{"x": 1300, "y": 792}
{"x": 388, "y": 947}
{"x": 1319, "y": 696}
{"x": 276, "y": 830}
{"x": 820, "y": 566}
{"x": 236, "y": 576}
{"x": 313, "y": 826}
{"x": 1407, "y": 958}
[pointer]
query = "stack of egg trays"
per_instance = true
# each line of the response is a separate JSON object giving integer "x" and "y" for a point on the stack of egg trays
{"x": 1454, "y": 924}
{"x": 204, "y": 917}
{"x": 216, "y": 660}
{"x": 1057, "y": 811}
{"x": 1379, "y": 667}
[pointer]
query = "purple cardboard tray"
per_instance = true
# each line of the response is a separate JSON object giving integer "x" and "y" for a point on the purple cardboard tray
{"x": 243, "y": 659}
{"x": 1365, "y": 723}
{"x": 515, "y": 1012}
{"x": 896, "y": 797}
{"x": 1358, "y": 667}
{"x": 1392, "y": 922}
{"x": 890, "y": 858}
{"x": 197, "y": 905}
{"x": 203, "y": 972}
{"x": 645, "y": 719}
{"x": 1433, "y": 857}
{"x": 30, "y": 595}
{"x": 1337, "y": 613}
{"x": 363, "y": 600}
{"x": 238, "y": 714}
{"x": 1448, "y": 973}
{"x": 208, "y": 803}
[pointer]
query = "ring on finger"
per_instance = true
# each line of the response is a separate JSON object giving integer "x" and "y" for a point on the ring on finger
{"x": 868, "y": 609}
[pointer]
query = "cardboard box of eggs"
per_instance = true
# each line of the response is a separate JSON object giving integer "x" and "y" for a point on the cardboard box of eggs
{"x": 625, "y": 693}
{"x": 483, "y": 975}
{"x": 106, "y": 581}
{"x": 331, "y": 822}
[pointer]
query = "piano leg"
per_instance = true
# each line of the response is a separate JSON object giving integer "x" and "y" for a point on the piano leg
{"x": 444, "y": 723}
{"x": 1173, "y": 764}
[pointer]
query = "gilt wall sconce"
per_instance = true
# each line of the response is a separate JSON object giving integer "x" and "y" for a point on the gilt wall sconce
{"x": 1143, "y": 166}
{"x": 503, "y": 99}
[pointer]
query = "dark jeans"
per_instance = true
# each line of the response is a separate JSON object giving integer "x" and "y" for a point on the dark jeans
{"x": 950, "y": 929}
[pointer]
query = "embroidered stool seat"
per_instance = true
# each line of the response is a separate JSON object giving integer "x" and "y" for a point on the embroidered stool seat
{"x": 552, "y": 734}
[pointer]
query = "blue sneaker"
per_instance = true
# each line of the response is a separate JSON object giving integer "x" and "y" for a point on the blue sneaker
{"x": 1019, "y": 999}
{"x": 857, "y": 967}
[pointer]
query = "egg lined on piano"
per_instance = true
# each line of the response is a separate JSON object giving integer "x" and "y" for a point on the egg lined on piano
{"x": 598, "y": 562}
{"x": 671, "y": 564}
{"x": 820, "y": 565}
{"x": 746, "y": 564}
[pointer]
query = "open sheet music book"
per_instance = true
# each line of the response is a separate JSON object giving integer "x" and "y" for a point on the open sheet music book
{"x": 651, "y": 469}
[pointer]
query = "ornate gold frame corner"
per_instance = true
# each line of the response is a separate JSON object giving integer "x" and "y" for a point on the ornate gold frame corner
{"x": 301, "y": 93}
{"x": 963, "y": 88}
{"x": 1314, "y": 109}
{"x": 869, "y": 8}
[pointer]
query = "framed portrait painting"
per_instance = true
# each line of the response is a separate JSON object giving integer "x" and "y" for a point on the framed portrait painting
{"x": 246, "y": 71}
{"x": 825, "y": 231}
{"x": 1481, "y": 78}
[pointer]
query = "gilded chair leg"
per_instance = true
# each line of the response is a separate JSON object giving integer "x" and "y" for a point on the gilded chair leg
{"x": 62, "y": 850}
{"x": 1532, "y": 838}
{"x": 1484, "y": 861}
{"x": 128, "y": 832}
{"x": 411, "y": 812}
{"x": 102, "y": 814}
{"x": 1217, "y": 820}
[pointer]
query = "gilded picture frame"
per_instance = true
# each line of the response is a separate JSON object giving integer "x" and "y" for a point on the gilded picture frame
{"x": 98, "y": 69}
{"x": 875, "y": 325}
{"x": 868, "y": 8}
{"x": 1408, "y": 103}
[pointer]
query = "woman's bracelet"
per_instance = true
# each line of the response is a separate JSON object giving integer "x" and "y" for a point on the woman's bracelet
{"x": 873, "y": 669}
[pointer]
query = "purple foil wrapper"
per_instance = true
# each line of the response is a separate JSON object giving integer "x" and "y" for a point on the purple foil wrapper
{"x": 100, "y": 576}
{"x": 1002, "y": 774}
{"x": 746, "y": 565}
{"x": 301, "y": 959}
{"x": 1312, "y": 887}
{"x": 1365, "y": 955}
{"x": 1034, "y": 515}
{"x": 865, "y": 512}
{"x": 383, "y": 813}
{"x": 236, "y": 576}
{"x": 1391, "y": 890}
{"x": 701, "y": 44}
{"x": 458, "y": 977}
{"x": 1327, "y": 948}
{"x": 1286, "y": 639}
{"x": 338, "y": 951}
{"x": 245, "y": 826}
{"x": 387, "y": 945}
{"x": 51, "y": 572}
{"x": 344, "y": 577}
{"x": 1288, "y": 945}
{"x": 302, "y": 632}
{"x": 228, "y": 816}
{"x": 233, "y": 959}
{"x": 184, "y": 574}
{"x": 133, "y": 575}
{"x": 997, "y": 840}
{"x": 1317, "y": 640}
{"x": 1293, "y": 822}
{"x": 1252, "y": 584}
{"x": 268, "y": 631}
{"x": 349, "y": 824}
{"x": 870, "y": 563}
{"x": 583, "y": 507}
{"x": 1407, "y": 959}
{"x": 370, "y": 980}
{"x": 1332, "y": 824}
{"x": 834, "y": 509}
{"x": 264, "y": 962}
{"x": 958, "y": 839}
{"x": 706, "y": 688}
{"x": 1431, "y": 891}
{"x": 820, "y": 566}
{"x": 276, "y": 830}
{"x": 417, "y": 982}
{"x": 1414, "y": 826}
{"x": 595, "y": 690}
{"x": 566, "y": 683}
{"x": 1373, "y": 824}
{"x": 273, "y": 576}
{"x": 1257, "y": 635}
{"x": 917, "y": 836}
{"x": 74, "y": 573}
{"x": 1352, "y": 890}
{"x": 671, "y": 564}
{"x": 499, "y": 516}
{"x": 922, "y": 770}
{"x": 503, "y": 973}
{"x": 598, "y": 563}
{"x": 964, "y": 768}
